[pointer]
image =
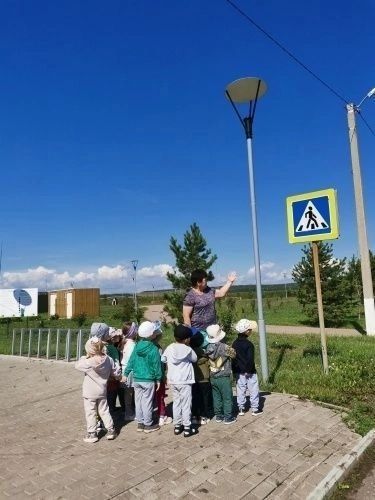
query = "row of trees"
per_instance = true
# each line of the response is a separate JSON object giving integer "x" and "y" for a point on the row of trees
{"x": 340, "y": 279}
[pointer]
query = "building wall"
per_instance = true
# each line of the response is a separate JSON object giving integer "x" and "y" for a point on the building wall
{"x": 74, "y": 301}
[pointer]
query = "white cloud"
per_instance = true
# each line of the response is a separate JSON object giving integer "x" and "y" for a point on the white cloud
{"x": 119, "y": 279}
{"x": 107, "y": 278}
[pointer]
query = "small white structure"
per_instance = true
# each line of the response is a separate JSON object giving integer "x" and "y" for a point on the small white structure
{"x": 18, "y": 302}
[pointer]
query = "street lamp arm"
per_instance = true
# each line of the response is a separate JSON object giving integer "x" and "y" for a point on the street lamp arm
{"x": 235, "y": 109}
{"x": 368, "y": 95}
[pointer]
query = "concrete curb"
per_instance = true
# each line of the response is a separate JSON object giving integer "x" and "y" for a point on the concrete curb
{"x": 326, "y": 486}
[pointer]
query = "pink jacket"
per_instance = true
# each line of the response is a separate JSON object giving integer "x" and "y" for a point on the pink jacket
{"x": 97, "y": 371}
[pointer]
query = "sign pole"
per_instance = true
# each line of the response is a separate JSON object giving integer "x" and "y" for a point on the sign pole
{"x": 323, "y": 337}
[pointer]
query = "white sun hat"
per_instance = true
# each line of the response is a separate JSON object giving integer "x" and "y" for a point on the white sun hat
{"x": 214, "y": 334}
{"x": 244, "y": 325}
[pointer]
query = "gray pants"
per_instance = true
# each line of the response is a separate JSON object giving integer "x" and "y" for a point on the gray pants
{"x": 92, "y": 408}
{"x": 144, "y": 398}
{"x": 181, "y": 404}
{"x": 250, "y": 383}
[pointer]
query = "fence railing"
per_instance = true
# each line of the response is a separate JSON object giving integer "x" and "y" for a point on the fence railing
{"x": 49, "y": 343}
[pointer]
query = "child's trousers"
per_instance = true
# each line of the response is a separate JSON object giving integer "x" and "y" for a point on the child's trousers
{"x": 202, "y": 400}
{"x": 94, "y": 406}
{"x": 247, "y": 381}
{"x": 222, "y": 395}
{"x": 144, "y": 399}
{"x": 182, "y": 404}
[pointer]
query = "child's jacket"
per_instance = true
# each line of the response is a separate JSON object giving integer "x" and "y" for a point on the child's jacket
{"x": 145, "y": 362}
{"x": 244, "y": 360}
{"x": 179, "y": 359}
{"x": 221, "y": 356}
{"x": 201, "y": 367}
{"x": 97, "y": 371}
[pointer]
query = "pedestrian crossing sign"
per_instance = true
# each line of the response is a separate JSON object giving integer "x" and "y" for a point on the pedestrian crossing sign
{"x": 312, "y": 216}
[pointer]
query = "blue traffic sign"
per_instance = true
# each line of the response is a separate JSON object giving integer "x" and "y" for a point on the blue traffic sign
{"x": 312, "y": 216}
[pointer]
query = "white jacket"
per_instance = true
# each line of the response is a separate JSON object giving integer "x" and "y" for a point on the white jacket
{"x": 126, "y": 353}
{"x": 97, "y": 371}
{"x": 179, "y": 359}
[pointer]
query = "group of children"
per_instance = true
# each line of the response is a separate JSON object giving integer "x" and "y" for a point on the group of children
{"x": 131, "y": 365}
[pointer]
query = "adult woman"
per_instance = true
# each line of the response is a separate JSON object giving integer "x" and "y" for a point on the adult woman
{"x": 199, "y": 303}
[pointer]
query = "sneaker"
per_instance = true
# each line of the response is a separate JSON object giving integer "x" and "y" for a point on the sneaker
{"x": 256, "y": 412}
{"x": 219, "y": 419}
{"x": 140, "y": 427}
{"x": 229, "y": 420}
{"x": 178, "y": 429}
{"x": 151, "y": 428}
{"x": 241, "y": 412}
{"x": 91, "y": 437}
{"x": 165, "y": 420}
{"x": 111, "y": 435}
{"x": 204, "y": 420}
{"x": 99, "y": 426}
{"x": 189, "y": 431}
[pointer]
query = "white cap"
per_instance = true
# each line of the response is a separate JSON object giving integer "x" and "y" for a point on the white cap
{"x": 214, "y": 334}
{"x": 147, "y": 329}
{"x": 244, "y": 325}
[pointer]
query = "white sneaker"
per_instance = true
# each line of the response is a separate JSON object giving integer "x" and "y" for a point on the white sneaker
{"x": 204, "y": 420}
{"x": 91, "y": 437}
{"x": 165, "y": 420}
{"x": 241, "y": 411}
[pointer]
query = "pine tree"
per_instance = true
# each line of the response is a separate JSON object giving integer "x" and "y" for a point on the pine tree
{"x": 354, "y": 278}
{"x": 193, "y": 254}
{"x": 335, "y": 286}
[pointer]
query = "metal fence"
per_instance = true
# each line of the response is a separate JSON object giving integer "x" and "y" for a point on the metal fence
{"x": 49, "y": 343}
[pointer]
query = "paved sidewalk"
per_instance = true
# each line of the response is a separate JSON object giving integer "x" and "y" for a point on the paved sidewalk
{"x": 283, "y": 453}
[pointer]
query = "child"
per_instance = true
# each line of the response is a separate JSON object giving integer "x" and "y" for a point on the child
{"x": 161, "y": 393}
{"x": 244, "y": 368}
{"x": 129, "y": 332}
{"x": 179, "y": 358}
{"x": 113, "y": 386}
{"x": 97, "y": 367}
{"x": 202, "y": 408}
{"x": 146, "y": 367}
{"x": 220, "y": 356}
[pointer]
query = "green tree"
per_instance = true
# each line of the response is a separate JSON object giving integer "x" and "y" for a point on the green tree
{"x": 335, "y": 287}
{"x": 354, "y": 278}
{"x": 193, "y": 254}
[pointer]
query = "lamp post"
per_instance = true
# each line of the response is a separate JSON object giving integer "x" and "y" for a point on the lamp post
{"x": 249, "y": 90}
{"x": 368, "y": 294}
{"x": 135, "y": 264}
{"x": 286, "y": 290}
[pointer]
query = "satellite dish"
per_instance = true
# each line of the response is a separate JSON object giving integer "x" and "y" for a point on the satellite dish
{"x": 22, "y": 297}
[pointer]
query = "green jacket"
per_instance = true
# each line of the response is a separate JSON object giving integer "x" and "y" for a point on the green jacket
{"x": 145, "y": 362}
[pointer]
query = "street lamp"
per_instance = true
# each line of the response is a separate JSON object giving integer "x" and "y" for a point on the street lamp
{"x": 135, "y": 264}
{"x": 368, "y": 294}
{"x": 249, "y": 90}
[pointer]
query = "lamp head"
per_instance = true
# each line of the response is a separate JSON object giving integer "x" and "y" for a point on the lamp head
{"x": 371, "y": 93}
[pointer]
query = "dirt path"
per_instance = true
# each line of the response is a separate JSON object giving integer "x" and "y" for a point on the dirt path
{"x": 155, "y": 312}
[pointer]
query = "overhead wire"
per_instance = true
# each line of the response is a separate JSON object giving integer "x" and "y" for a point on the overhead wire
{"x": 287, "y": 51}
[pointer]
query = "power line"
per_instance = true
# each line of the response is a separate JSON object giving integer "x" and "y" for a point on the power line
{"x": 292, "y": 56}
{"x": 366, "y": 123}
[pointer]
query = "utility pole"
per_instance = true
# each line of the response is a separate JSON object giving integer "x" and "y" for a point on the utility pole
{"x": 135, "y": 264}
{"x": 286, "y": 291}
{"x": 368, "y": 294}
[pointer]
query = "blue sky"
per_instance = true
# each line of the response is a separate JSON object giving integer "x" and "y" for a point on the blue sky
{"x": 115, "y": 133}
